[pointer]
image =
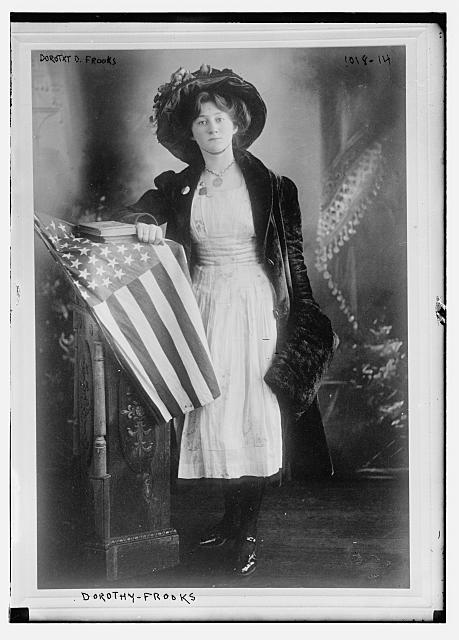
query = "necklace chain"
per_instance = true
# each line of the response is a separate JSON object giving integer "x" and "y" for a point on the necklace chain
{"x": 219, "y": 174}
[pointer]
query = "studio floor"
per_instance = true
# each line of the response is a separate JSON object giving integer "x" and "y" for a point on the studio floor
{"x": 339, "y": 533}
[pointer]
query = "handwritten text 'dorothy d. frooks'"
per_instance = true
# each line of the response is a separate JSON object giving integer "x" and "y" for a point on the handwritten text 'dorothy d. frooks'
{"x": 61, "y": 58}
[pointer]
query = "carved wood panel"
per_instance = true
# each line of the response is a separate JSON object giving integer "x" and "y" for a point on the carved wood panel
{"x": 85, "y": 401}
{"x": 136, "y": 430}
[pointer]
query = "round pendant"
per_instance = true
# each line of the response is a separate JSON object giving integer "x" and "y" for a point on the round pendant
{"x": 217, "y": 182}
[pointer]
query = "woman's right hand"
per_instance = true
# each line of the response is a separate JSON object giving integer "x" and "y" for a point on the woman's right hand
{"x": 149, "y": 233}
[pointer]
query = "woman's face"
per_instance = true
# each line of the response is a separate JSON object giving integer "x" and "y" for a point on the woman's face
{"x": 213, "y": 129}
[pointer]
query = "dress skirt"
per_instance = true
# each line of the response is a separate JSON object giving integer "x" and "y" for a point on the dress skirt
{"x": 239, "y": 433}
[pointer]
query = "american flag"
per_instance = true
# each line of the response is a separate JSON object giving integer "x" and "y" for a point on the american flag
{"x": 141, "y": 297}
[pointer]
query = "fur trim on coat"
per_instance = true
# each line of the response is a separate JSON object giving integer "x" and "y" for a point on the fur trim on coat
{"x": 297, "y": 370}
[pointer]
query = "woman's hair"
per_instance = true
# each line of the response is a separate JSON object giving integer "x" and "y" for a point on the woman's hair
{"x": 235, "y": 108}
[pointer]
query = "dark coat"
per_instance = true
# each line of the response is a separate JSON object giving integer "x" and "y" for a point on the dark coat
{"x": 305, "y": 337}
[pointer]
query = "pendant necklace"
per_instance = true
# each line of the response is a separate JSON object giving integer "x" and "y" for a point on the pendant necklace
{"x": 218, "y": 180}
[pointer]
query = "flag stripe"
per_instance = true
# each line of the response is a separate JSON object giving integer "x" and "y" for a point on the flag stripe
{"x": 182, "y": 340}
{"x": 107, "y": 320}
{"x": 187, "y": 326}
{"x": 178, "y": 281}
{"x": 149, "y": 351}
{"x": 181, "y": 259}
{"x": 159, "y": 327}
{"x": 129, "y": 331}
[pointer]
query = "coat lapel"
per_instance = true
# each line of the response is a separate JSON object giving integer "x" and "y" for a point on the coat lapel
{"x": 186, "y": 184}
{"x": 260, "y": 187}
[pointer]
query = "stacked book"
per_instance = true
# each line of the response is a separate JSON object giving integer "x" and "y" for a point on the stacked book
{"x": 106, "y": 230}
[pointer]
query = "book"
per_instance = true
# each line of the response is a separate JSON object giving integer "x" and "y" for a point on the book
{"x": 110, "y": 231}
{"x": 107, "y": 229}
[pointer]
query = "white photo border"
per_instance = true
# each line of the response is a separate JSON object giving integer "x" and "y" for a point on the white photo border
{"x": 425, "y": 221}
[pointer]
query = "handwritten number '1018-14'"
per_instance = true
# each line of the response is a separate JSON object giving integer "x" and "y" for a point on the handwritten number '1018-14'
{"x": 365, "y": 60}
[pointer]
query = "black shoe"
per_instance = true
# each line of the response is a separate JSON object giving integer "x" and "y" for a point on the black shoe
{"x": 217, "y": 536}
{"x": 247, "y": 560}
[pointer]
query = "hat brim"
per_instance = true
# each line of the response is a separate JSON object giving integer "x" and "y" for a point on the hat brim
{"x": 181, "y": 99}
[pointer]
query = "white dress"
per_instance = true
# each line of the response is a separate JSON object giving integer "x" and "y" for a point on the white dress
{"x": 239, "y": 433}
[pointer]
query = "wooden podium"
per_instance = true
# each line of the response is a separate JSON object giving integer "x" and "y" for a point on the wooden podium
{"x": 122, "y": 464}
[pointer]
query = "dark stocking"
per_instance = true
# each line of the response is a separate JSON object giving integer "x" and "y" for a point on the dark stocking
{"x": 231, "y": 500}
{"x": 251, "y": 495}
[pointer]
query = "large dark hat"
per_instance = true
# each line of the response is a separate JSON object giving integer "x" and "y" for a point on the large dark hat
{"x": 174, "y": 101}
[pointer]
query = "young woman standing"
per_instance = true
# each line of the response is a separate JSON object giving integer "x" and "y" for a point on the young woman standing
{"x": 240, "y": 225}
